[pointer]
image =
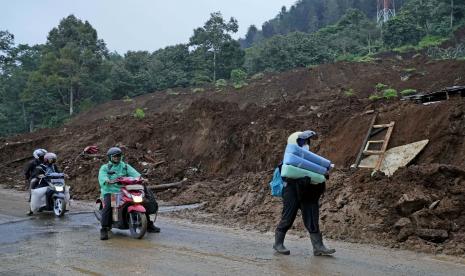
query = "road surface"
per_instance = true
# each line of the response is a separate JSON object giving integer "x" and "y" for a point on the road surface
{"x": 44, "y": 245}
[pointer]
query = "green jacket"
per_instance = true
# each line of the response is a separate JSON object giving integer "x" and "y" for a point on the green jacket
{"x": 120, "y": 169}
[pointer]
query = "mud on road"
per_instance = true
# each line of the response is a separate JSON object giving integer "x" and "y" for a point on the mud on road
{"x": 44, "y": 245}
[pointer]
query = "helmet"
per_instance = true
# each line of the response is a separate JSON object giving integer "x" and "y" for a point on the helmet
{"x": 114, "y": 151}
{"x": 304, "y": 137}
{"x": 299, "y": 137}
{"x": 50, "y": 157}
{"x": 307, "y": 134}
{"x": 38, "y": 153}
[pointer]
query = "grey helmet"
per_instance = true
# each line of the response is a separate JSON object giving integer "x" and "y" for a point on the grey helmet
{"x": 305, "y": 136}
{"x": 38, "y": 153}
{"x": 114, "y": 151}
{"x": 50, "y": 157}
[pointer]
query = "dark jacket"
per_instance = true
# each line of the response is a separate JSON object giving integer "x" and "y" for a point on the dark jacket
{"x": 307, "y": 191}
{"x": 44, "y": 169}
{"x": 30, "y": 168}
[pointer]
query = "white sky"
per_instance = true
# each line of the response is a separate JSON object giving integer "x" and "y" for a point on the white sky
{"x": 132, "y": 24}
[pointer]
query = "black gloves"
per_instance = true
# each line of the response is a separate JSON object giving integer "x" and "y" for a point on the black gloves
{"x": 327, "y": 176}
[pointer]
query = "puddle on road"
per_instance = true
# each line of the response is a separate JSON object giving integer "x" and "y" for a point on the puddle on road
{"x": 44, "y": 224}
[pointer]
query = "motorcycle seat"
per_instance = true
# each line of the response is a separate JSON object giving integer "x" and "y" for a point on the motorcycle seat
{"x": 134, "y": 187}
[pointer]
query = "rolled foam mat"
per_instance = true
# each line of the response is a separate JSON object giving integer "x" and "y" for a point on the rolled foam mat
{"x": 292, "y": 172}
{"x": 296, "y": 161}
{"x": 308, "y": 155}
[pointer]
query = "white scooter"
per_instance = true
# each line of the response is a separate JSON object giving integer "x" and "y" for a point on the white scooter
{"x": 51, "y": 194}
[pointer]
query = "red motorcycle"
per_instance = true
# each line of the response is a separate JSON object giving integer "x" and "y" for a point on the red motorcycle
{"x": 127, "y": 209}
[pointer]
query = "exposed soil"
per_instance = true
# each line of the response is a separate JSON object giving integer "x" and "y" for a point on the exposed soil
{"x": 226, "y": 143}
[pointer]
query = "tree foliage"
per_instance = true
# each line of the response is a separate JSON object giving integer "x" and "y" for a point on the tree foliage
{"x": 214, "y": 40}
{"x": 307, "y": 16}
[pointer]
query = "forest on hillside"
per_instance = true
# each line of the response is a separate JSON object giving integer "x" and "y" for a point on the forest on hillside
{"x": 45, "y": 85}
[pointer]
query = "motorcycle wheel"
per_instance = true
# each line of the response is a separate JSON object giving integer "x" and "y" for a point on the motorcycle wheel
{"x": 137, "y": 224}
{"x": 59, "y": 207}
{"x": 98, "y": 211}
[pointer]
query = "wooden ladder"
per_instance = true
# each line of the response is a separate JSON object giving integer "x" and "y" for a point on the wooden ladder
{"x": 365, "y": 149}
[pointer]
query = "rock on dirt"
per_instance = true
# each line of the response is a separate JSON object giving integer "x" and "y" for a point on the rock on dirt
{"x": 411, "y": 202}
{"x": 433, "y": 235}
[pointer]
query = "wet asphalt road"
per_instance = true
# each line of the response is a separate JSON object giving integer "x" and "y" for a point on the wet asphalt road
{"x": 44, "y": 245}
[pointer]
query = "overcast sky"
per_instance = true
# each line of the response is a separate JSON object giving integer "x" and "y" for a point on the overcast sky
{"x": 132, "y": 24}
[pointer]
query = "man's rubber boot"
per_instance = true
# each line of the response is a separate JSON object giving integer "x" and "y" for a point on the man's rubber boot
{"x": 319, "y": 249}
{"x": 103, "y": 234}
{"x": 151, "y": 228}
{"x": 29, "y": 213}
{"x": 279, "y": 243}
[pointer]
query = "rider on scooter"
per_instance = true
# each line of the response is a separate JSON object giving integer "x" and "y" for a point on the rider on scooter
{"x": 29, "y": 170}
{"x": 48, "y": 166}
{"x": 113, "y": 169}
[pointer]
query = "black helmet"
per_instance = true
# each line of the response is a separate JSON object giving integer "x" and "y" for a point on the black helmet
{"x": 114, "y": 151}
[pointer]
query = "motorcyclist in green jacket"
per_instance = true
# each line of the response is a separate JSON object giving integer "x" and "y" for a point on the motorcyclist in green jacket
{"x": 113, "y": 169}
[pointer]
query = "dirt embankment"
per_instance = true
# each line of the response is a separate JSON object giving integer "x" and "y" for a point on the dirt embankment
{"x": 227, "y": 142}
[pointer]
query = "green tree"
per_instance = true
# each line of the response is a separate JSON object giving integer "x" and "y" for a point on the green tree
{"x": 250, "y": 37}
{"x": 73, "y": 61}
{"x": 19, "y": 63}
{"x": 6, "y": 43}
{"x": 213, "y": 35}
{"x": 231, "y": 56}
{"x": 171, "y": 67}
{"x": 400, "y": 31}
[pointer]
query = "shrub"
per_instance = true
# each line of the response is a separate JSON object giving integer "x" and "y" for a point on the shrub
{"x": 349, "y": 93}
{"x": 238, "y": 77}
{"x": 404, "y": 49}
{"x": 374, "y": 97}
{"x": 380, "y": 86}
{"x": 126, "y": 99}
{"x": 200, "y": 79}
{"x": 390, "y": 93}
{"x": 408, "y": 92}
{"x": 198, "y": 90}
{"x": 139, "y": 113}
{"x": 86, "y": 104}
{"x": 239, "y": 85}
{"x": 221, "y": 83}
{"x": 431, "y": 41}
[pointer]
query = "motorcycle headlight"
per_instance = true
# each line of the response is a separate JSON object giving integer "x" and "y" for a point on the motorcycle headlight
{"x": 137, "y": 199}
{"x": 59, "y": 188}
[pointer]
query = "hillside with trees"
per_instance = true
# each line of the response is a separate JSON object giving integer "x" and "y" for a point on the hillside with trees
{"x": 45, "y": 85}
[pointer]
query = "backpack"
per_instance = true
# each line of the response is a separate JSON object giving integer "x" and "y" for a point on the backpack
{"x": 277, "y": 183}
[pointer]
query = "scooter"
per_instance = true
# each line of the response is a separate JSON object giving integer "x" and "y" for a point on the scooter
{"x": 127, "y": 209}
{"x": 51, "y": 194}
